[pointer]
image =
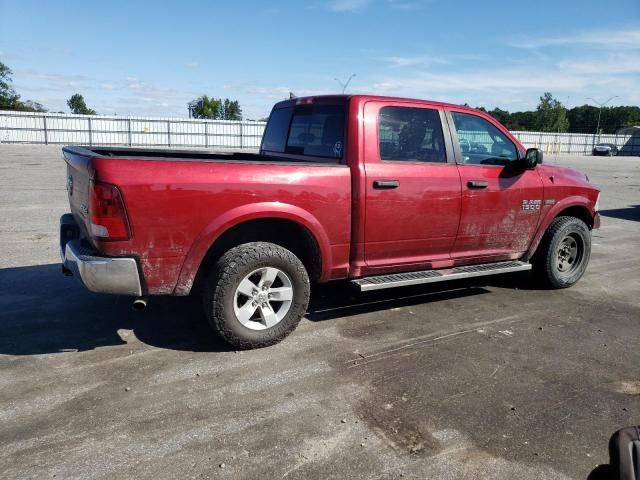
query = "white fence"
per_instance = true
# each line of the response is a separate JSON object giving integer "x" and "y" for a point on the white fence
{"x": 577, "y": 143}
{"x": 53, "y": 128}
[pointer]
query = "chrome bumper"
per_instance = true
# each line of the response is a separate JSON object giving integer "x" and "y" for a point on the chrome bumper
{"x": 118, "y": 276}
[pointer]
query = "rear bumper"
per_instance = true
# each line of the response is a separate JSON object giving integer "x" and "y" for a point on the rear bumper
{"x": 117, "y": 276}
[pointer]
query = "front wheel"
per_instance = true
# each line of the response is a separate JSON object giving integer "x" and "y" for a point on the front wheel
{"x": 256, "y": 295}
{"x": 563, "y": 254}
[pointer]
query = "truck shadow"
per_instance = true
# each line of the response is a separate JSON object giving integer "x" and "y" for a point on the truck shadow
{"x": 630, "y": 213}
{"x": 340, "y": 299}
{"x": 42, "y": 312}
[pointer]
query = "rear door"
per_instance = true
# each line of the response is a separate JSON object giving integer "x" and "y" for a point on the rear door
{"x": 412, "y": 187}
{"x": 501, "y": 201}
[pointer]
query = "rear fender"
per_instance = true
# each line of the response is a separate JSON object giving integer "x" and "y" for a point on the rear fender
{"x": 244, "y": 213}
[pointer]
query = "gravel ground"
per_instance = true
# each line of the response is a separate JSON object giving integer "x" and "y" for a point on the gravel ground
{"x": 485, "y": 379}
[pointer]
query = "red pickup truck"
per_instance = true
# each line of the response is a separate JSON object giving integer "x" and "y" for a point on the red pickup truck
{"x": 384, "y": 192}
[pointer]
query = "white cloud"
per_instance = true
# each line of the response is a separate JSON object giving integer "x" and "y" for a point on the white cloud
{"x": 354, "y": 5}
{"x": 50, "y": 81}
{"x": 414, "y": 61}
{"x": 407, "y": 5}
{"x": 615, "y": 64}
{"x": 348, "y": 5}
{"x": 610, "y": 39}
{"x": 520, "y": 86}
{"x": 281, "y": 93}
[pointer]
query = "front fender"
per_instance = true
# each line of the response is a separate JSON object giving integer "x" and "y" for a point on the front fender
{"x": 244, "y": 213}
{"x": 553, "y": 212}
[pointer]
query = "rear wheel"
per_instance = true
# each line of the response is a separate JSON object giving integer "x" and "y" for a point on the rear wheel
{"x": 256, "y": 295}
{"x": 563, "y": 254}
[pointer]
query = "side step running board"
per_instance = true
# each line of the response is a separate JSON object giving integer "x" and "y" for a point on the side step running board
{"x": 429, "y": 276}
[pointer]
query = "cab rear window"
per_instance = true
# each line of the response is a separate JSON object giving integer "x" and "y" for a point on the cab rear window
{"x": 311, "y": 130}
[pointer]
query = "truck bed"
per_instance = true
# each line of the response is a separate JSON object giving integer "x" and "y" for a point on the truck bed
{"x": 189, "y": 155}
{"x": 178, "y": 202}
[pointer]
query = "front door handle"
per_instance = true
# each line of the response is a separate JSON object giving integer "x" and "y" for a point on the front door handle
{"x": 477, "y": 184}
{"x": 386, "y": 184}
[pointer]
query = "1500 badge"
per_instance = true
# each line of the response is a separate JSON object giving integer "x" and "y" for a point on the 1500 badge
{"x": 531, "y": 204}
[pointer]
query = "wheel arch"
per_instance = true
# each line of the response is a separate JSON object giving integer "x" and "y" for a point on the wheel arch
{"x": 281, "y": 224}
{"x": 577, "y": 207}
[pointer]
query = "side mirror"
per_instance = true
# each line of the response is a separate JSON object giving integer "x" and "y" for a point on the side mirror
{"x": 532, "y": 158}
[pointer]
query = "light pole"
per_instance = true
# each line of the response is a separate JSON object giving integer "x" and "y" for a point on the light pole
{"x": 566, "y": 109}
{"x": 600, "y": 105}
{"x": 346, "y": 84}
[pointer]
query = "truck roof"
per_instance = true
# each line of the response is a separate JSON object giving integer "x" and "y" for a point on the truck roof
{"x": 364, "y": 98}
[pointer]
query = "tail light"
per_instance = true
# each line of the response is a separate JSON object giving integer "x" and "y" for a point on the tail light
{"x": 108, "y": 216}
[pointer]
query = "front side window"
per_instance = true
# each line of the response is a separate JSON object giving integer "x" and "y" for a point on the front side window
{"x": 410, "y": 134}
{"x": 481, "y": 143}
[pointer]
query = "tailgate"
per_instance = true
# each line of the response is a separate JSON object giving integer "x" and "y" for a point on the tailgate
{"x": 79, "y": 174}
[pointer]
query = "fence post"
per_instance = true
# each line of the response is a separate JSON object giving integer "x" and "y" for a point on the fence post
{"x": 46, "y": 135}
{"x": 241, "y": 134}
{"x": 169, "y": 132}
{"x": 90, "y": 139}
{"x": 569, "y": 144}
{"x": 129, "y": 130}
{"x": 206, "y": 135}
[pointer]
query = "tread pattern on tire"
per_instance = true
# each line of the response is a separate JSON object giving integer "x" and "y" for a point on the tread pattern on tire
{"x": 543, "y": 261}
{"x": 221, "y": 280}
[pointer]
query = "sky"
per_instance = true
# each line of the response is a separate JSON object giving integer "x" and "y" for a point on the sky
{"x": 150, "y": 58}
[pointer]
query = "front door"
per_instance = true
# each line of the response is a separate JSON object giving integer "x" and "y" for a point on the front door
{"x": 501, "y": 201}
{"x": 412, "y": 188}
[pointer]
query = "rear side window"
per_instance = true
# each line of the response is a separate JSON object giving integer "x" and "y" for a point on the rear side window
{"x": 411, "y": 134}
{"x": 310, "y": 130}
{"x": 275, "y": 135}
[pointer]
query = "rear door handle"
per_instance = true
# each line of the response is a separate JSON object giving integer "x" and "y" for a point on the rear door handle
{"x": 386, "y": 184}
{"x": 477, "y": 184}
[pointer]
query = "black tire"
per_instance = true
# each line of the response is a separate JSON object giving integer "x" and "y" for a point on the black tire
{"x": 219, "y": 293}
{"x": 552, "y": 263}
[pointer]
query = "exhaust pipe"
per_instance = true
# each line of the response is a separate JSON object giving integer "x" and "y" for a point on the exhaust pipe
{"x": 140, "y": 304}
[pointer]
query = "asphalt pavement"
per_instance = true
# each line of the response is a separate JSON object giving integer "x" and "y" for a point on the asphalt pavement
{"x": 492, "y": 378}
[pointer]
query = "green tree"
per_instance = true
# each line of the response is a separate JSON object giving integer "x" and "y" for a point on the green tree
{"x": 552, "y": 115}
{"x": 231, "y": 110}
{"x": 9, "y": 99}
{"x": 501, "y": 115}
{"x": 215, "y": 108}
{"x": 205, "y": 107}
{"x": 78, "y": 106}
{"x": 584, "y": 118}
{"x": 7, "y": 94}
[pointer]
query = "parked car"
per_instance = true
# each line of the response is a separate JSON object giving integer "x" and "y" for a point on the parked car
{"x": 384, "y": 192}
{"x": 607, "y": 149}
